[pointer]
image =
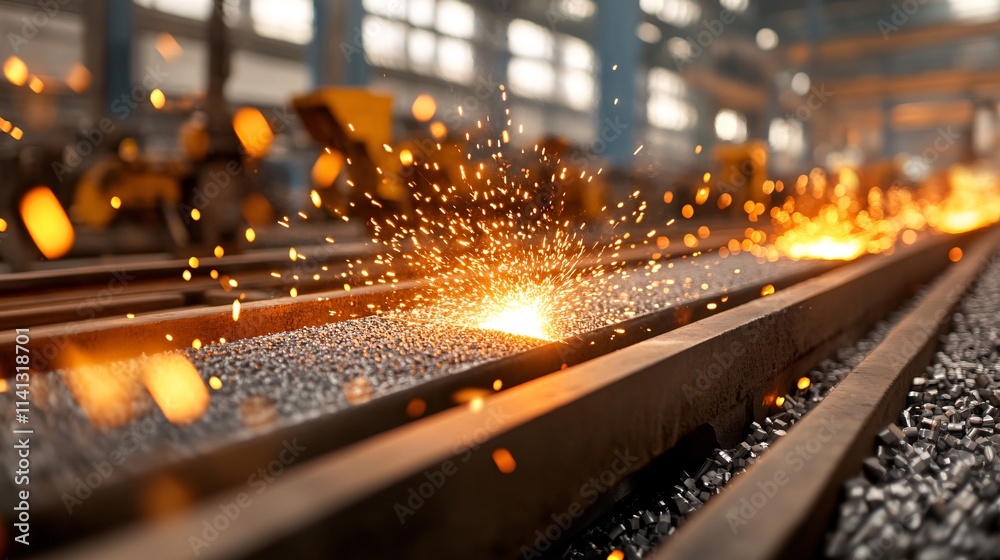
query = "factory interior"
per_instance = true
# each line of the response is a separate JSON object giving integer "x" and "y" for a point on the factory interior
{"x": 568, "y": 279}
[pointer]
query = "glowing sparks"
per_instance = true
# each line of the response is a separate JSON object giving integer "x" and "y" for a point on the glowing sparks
{"x": 176, "y": 388}
{"x": 236, "y": 310}
{"x": 803, "y": 383}
{"x": 520, "y": 314}
{"x": 47, "y": 222}
{"x": 504, "y": 460}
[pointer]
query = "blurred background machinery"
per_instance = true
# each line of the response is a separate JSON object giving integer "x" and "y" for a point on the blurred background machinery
{"x": 173, "y": 119}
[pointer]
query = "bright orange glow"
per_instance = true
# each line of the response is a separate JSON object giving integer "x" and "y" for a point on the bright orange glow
{"x": 416, "y": 408}
{"x": 315, "y": 199}
{"x": 690, "y": 241}
{"x": 518, "y": 313}
{"x": 116, "y": 202}
{"x": 687, "y": 211}
{"x": 251, "y": 235}
{"x": 35, "y": 84}
{"x": 16, "y": 133}
{"x": 78, "y": 79}
{"x": 504, "y": 460}
{"x": 176, "y": 387}
{"x": 104, "y": 396}
{"x": 215, "y": 383}
{"x": 767, "y": 290}
{"x": 662, "y": 242}
{"x": 195, "y": 214}
{"x": 803, "y": 383}
{"x": 617, "y": 554}
{"x": 219, "y": 251}
{"x": 668, "y": 197}
{"x": 702, "y": 196}
{"x": 780, "y": 401}
{"x": 497, "y": 384}
{"x": 955, "y": 254}
{"x": 15, "y": 70}
{"x": 424, "y": 108}
{"x": 3, "y": 385}
{"x": 193, "y": 262}
{"x": 168, "y": 47}
{"x": 236, "y": 310}
{"x": 406, "y": 157}
{"x": 157, "y": 98}
{"x": 47, "y": 222}
{"x": 326, "y": 169}
{"x": 253, "y": 131}
{"x": 3, "y": 225}
{"x": 725, "y": 199}
{"x": 438, "y": 130}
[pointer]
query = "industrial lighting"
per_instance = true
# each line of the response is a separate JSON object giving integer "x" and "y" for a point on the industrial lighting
{"x": 801, "y": 83}
{"x": 767, "y": 39}
{"x": 424, "y": 107}
{"x": 730, "y": 126}
{"x": 648, "y": 32}
{"x": 15, "y": 70}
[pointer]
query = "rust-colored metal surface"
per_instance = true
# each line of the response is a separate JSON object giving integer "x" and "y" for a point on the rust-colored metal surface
{"x": 776, "y": 510}
{"x": 604, "y": 418}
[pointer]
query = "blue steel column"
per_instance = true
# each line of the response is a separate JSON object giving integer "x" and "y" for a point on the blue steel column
{"x": 356, "y": 72}
{"x": 118, "y": 51}
{"x": 616, "y": 44}
{"x": 316, "y": 53}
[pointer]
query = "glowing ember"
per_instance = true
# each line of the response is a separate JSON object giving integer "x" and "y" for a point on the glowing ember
{"x": 47, "y": 222}
{"x": 520, "y": 314}
{"x": 176, "y": 387}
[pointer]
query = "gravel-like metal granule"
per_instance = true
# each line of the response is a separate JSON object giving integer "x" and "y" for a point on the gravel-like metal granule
{"x": 932, "y": 488}
{"x": 287, "y": 377}
{"x": 639, "y": 522}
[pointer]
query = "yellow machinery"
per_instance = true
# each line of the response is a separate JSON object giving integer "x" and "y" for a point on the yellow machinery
{"x": 407, "y": 175}
{"x": 125, "y": 179}
{"x": 357, "y": 123}
{"x": 741, "y": 173}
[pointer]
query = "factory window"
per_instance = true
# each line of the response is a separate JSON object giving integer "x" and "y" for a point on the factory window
{"x": 530, "y": 40}
{"x": 193, "y": 9}
{"x": 974, "y": 10}
{"x": 666, "y": 106}
{"x": 423, "y": 36}
{"x": 787, "y": 136}
{"x": 735, "y": 5}
{"x": 384, "y": 42}
{"x": 730, "y": 126}
{"x": 456, "y": 18}
{"x": 575, "y": 10}
{"x": 286, "y": 20}
{"x": 455, "y": 60}
{"x": 385, "y": 8}
{"x": 420, "y": 12}
{"x": 680, "y": 13}
{"x": 541, "y": 57}
{"x": 531, "y": 77}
